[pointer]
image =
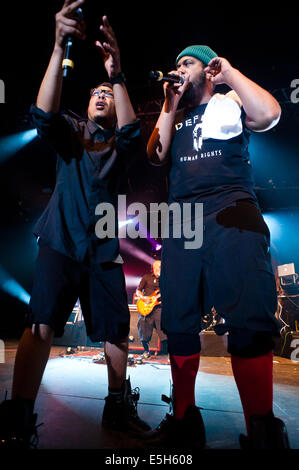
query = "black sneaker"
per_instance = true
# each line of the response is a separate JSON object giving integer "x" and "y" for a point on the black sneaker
{"x": 267, "y": 432}
{"x": 188, "y": 432}
{"x": 18, "y": 428}
{"x": 122, "y": 415}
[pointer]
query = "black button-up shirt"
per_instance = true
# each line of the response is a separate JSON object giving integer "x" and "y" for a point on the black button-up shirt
{"x": 90, "y": 163}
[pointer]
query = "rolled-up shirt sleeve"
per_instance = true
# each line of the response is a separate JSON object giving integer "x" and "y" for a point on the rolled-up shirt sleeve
{"x": 58, "y": 130}
{"x": 128, "y": 140}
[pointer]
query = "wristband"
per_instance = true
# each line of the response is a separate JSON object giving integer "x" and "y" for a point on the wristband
{"x": 120, "y": 78}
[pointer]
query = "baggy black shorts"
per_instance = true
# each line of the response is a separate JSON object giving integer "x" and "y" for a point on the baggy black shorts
{"x": 232, "y": 271}
{"x": 59, "y": 281}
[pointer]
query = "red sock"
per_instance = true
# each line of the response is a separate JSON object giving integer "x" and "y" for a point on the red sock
{"x": 254, "y": 379}
{"x": 183, "y": 370}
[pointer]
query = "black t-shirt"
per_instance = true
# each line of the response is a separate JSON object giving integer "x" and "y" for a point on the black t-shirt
{"x": 214, "y": 171}
{"x": 148, "y": 284}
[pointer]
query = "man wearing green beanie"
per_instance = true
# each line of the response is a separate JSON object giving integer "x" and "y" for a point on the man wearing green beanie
{"x": 205, "y": 137}
{"x": 202, "y": 53}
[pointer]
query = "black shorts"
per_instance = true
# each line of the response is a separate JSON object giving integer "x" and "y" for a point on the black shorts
{"x": 59, "y": 281}
{"x": 231, "y": 272}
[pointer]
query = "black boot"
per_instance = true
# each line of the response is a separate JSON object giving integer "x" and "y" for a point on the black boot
{"x": 188, "y": 432}
{"x": 266, "y": 432}
{"x": 18, "y": 428}
{"x": 122, "y": 415}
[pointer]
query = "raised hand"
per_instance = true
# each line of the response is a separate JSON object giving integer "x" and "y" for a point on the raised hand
{"x": 67, "y": 24}
{"x": 174, "y": 91}
{"x": 218, "y": 70}
{"x": 109, "y": 49}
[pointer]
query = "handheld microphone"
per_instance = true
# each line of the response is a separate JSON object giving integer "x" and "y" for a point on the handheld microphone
{"x": 68, "y": 63}
{"x": 172, "y": 78}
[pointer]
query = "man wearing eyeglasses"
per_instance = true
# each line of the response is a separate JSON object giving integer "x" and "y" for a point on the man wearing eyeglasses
{"x": 73, "y": 262}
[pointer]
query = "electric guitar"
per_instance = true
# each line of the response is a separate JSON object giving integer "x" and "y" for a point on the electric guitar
{"x": 146, "y": 306}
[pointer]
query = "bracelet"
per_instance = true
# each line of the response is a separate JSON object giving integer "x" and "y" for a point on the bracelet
{"x": 120, "y": 78}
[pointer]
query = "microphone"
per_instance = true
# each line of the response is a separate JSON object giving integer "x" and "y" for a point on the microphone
{"x": 68, "y": 63}
{"x": 170, "y": 77}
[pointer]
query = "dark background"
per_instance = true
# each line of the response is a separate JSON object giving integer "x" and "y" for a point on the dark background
{"x": 261, "y": 41}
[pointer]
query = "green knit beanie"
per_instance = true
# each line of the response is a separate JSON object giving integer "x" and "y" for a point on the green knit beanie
{"x": 203, "y": 53}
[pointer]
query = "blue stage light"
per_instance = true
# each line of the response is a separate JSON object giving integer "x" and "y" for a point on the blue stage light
{"x": 28, "y": 136}
{"x": 11, "y": 144}
{"x": 284, "y": 229}
{"x": 12, "y": 287}
{"x": 274, "y": 226}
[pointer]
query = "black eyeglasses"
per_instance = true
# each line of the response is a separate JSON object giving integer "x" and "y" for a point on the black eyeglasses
{"x": 107, "y": 93}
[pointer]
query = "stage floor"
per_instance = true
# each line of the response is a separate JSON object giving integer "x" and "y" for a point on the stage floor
{"x": 71, "y": 400}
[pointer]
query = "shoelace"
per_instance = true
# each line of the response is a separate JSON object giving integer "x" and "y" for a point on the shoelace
{"x": 133, "y": 397}
{"x": 169, "y": 400}
{"x": 34, "y": 441}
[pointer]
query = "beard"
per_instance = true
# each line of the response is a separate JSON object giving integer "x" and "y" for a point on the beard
{"x": 194, "y": 91}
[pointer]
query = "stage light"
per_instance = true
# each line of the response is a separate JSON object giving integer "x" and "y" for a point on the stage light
{"x": 284, "y": 228}
{"x": 12, "y": 287}
{"x": 287, "y": 274}
{"x": 126, "y": 246}
{"x": 132, "y": 281}
{"x": 27, "y": 136}
{"x": 156, "y": 246}
{"x": 124, "y": 222}
{"x": 274, "y": 225}
{"x": 11, "y": 144}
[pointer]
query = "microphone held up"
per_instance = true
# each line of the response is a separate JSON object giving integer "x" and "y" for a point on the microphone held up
{"x": 68, "y": 62}
{"x": 170, "y": 77}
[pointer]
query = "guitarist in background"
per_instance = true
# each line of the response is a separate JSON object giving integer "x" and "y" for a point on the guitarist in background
{"x": 148, "y": 286}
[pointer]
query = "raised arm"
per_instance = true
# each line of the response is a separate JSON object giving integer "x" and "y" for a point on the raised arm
{"x": 49, "y": 95}
{"x": 111, "y": 56}
{"x": 261, "y": 108}
{"x": 159, "y": 142}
